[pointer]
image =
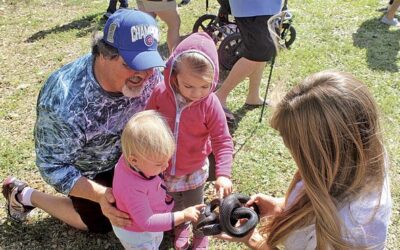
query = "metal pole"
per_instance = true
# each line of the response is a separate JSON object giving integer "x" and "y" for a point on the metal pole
{"x": 266, "y": 90}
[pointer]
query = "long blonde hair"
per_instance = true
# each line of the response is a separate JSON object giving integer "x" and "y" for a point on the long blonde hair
{"x": 147, "y": 135}
{"x": 330, "y": 125}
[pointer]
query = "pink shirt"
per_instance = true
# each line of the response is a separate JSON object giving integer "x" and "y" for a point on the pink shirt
{"x": 144, "y": 199}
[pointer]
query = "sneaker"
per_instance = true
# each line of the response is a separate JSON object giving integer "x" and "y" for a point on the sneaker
{"x": 200, "y": 243}
{"x": 15, "y": 209}
{"x": 391, "y": 22}
{"x": 182, "y": 234}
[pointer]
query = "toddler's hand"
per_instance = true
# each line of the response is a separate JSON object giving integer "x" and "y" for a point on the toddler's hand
{"x": 223, "y": 183}
{"x": 193, "y": 213}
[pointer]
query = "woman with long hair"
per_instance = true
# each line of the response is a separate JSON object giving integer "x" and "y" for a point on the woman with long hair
{"x": 339, "y": 197}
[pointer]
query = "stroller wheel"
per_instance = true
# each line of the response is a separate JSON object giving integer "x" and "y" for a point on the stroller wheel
{"x": 208, "y": 24}
{"x": 229, "y": 50}
{"x": 288, "y": 34}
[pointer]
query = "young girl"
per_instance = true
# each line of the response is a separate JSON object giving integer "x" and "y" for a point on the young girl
{"x": 199, "y": 126}
{"x": 147, "y": 145}
{"x": 339, "y": 197}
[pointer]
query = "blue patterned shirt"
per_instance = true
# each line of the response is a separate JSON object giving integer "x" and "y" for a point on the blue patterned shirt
{"x": 78, "y": 126}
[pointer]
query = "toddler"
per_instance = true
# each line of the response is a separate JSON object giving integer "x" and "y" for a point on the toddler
{"x": 147, "y": 146}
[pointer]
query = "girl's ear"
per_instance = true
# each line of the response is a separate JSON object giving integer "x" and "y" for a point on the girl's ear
{"x": 132, "y": 159}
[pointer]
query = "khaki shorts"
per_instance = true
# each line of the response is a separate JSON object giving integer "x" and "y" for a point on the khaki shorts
{"x": 156, "y": 5}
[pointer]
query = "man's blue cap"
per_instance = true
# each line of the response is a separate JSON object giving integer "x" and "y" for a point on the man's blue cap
{"x": 135, "y": 34}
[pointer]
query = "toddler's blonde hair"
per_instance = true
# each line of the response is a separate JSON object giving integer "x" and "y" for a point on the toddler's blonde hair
{"x": 147, "y": 135}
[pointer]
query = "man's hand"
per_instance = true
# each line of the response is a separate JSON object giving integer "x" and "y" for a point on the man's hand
{"x": 116, "y": 217}
{"x": 93, "y": 191}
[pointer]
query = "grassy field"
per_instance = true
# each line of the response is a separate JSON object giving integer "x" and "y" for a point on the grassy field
{"x": 37, "y": 37}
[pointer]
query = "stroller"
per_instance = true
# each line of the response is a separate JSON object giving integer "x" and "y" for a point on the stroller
{"x": 225, "y": 33}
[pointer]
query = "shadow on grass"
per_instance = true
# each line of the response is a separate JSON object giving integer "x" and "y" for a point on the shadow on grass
{"x": 381, "y": 43}
{"x": 85, "y": 25}
{"x": 240, "y": 113}
{"x": 248, "y": 137}
{"x": 49, "y": 233}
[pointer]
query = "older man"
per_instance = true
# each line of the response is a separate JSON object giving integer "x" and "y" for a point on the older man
{"x": 81, "y": 111}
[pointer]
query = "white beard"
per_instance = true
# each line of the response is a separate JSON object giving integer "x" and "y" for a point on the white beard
{"x": 132, "y": 92}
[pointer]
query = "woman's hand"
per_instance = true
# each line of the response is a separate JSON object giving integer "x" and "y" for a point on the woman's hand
{"x": 268, "y": 205}
{"x": 116, "y": 217}
{"x": 225, "y": 184}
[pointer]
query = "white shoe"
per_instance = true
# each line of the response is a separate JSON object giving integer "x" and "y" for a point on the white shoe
{"x": 391, "y": 22}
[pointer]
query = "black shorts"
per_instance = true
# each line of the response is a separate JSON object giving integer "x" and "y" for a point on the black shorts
{"x": 90, "y": 211}
{"x": 257, "y": 43}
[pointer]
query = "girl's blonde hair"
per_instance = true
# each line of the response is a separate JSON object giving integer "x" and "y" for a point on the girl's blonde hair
{"x": 147, "y": 135}
{"x": 330, "y": 125}
{"x": 197, "y": 62}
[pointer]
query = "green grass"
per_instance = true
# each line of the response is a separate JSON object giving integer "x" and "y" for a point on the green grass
{"x": 38, "y": 37}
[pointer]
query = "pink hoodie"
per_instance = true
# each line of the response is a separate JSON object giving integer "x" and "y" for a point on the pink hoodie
{"x": 199, "y": 127}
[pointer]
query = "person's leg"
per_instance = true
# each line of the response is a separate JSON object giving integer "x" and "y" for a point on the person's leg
{"x": 112, "y": 6}
{"x": 22, "y": 199}
{"x": 138, "y": 240}
{"x": 253, "y": 96}
{"x": 89, "y": 211}
{"x": 191, "y": 198}
{"x": 58, "y": 207}
{"x": 257, "y": 48}
{"x": 390, "y": 4}
{"x": 182, "y": 231}
{"x": 123, "y": 3}
{"x": 389, "y": 18}
{"x": 173, "y": 21}
{"x": 242, "y": 69}
{"x": 392, "y": 10}
{"x": 77, "y": 212}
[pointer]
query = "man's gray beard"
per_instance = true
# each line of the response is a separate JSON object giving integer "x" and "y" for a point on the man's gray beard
{"x": 132, "y": 92}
